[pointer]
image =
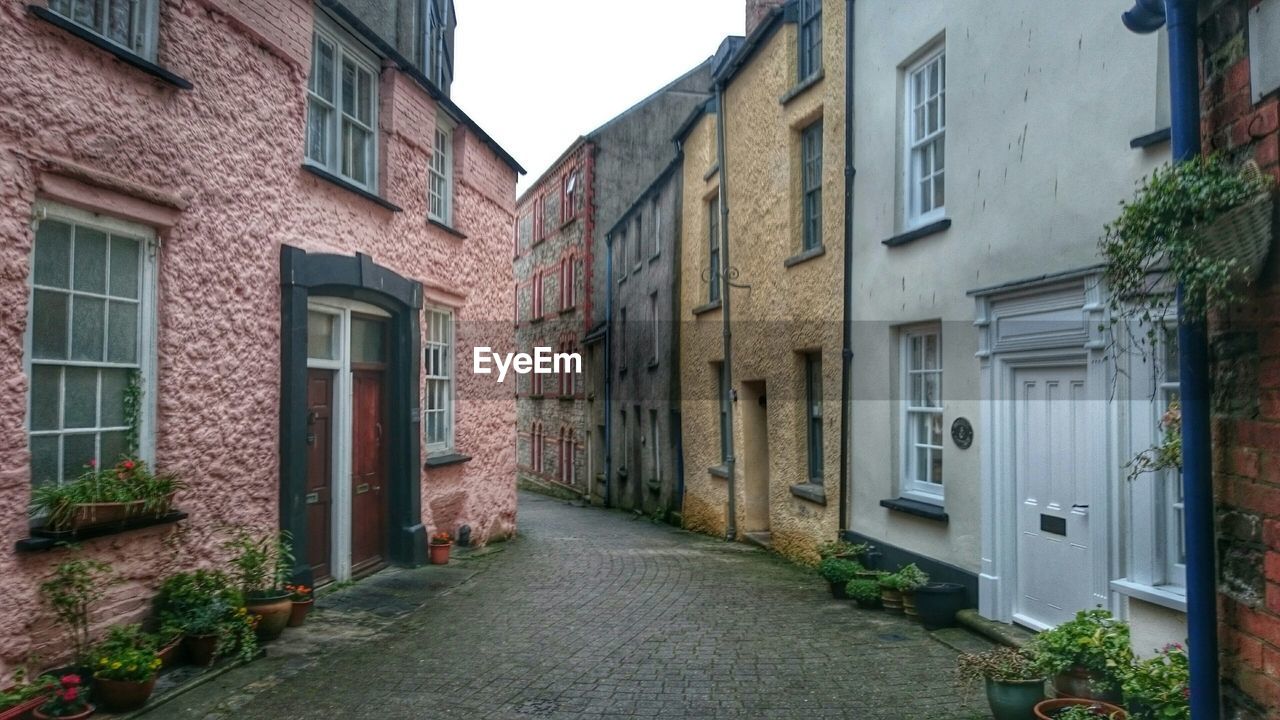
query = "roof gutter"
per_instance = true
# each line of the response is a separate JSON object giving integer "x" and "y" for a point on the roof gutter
{"x": 846, "y": 349}
{"x": 1147, "y": 16}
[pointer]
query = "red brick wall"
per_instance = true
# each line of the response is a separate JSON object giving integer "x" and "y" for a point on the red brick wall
{"x": 1246, "y": 353}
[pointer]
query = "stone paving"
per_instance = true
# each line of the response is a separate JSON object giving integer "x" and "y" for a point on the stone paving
{"x": 595, "y": 614}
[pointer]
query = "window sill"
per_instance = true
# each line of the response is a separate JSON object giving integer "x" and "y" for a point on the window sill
{"x": 566, "y": 223}
{"x": 653, "y": 365}
{"x": 447, "y": 228}
{"x": 350, "y": 187}
{"x": 719, "y": 471}
{"x": 1148, "y": 593}
{"x": 811, "y": 491}
{"x": 925, "y": 510}
{"x": 706, "y": 307}
{"x": 566, "y": 311}
{"x": 637, "y": 268}
{"x": 121, "y": 53}
{"x": 622, "y": 278}
{"x": 655, "y": 258}
{"x": 622, "y": 370}
{"x": 536, "y": 320}
{"x": 566, "y": 398}
{"x": 535, "y": 396}
{"x": 711, "y": 172}
{"x": 446, "y": 459}
{"x": 1151, "y": 139}
{"x": 809, "y": 254}
{"x": 923, "y": 231}
{"x": 801, "y": 87}
{"x": 42, "y": 540}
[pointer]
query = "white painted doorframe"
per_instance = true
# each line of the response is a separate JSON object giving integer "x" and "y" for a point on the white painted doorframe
{"x": 340, "y": 509}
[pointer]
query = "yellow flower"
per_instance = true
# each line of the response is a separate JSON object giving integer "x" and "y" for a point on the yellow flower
{"x": 132, "y": 668}
{"x": 115, "y": 665}
{"x": 102, "y": 661}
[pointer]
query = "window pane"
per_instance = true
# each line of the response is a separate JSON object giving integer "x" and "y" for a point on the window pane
{"x": 318, "y": 119}
{"x": 322, "y": 76}
{"x": 320, "y": 327}
{"x": 112, "y": 447}
{"x": 939, "y": 194}
{"x": 365, "y": 100}
{"x": 81, "y": 398}
{"x": 87, "y": 316}
{"x": 122, "y": 338}
{"x": 920, "y": 471}
{"x": 114, "y": 383}
{"x": 917, "y": 361}
{"x": 86, "y": 12}
{"x": 348, "y": 87}
{"x": 119, "y": 21}
{"x": 45, "y": 391}
{"x": 124, "y": 267}
{"x": 367, "y": 340}
{"x": 91, "y": 260}
{"x": 935, "y": 466}
{"x": 931, "y": 352}
{"x": 931, "y": 381}
{"x": 44, "y": 459}
{"x": 77, "y": 451}
{"x": 49, "y": 325}
{"x": 53, "y": 254}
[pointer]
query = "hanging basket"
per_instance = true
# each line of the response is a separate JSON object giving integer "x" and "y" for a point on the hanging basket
{"x": 1243, "y": 234}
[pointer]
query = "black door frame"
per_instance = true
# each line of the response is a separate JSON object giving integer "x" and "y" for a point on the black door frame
{"x": 356, "y": 277}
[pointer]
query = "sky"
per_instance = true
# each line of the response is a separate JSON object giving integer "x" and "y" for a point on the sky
{"x": 536, "y": 74}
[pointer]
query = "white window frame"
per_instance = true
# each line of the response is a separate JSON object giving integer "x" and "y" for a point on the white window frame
{"x": 144, "y": 26}
{"x": 444, "y": 343}
{"x": 345, "y": 47}
{"x": 440, "y": 169}
{"x": 911, "y": 487}
{"x": 912, "y": 216}
{"x": 147, "y": 323}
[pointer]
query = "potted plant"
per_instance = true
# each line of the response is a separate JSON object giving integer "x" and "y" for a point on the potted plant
{"x": 303, "y": 599}
{"x": 73, "y": 588}
{"x": 910, "y": 579}
{"x": 866, "y": 593}
{"x": 1078, "y": 709}
{"x": 838, "y": 573}
{"x": 842, "y": 549}
{"x": 209, "y": 610}
{"x": 1086, "y": 657}
{"x": 937, "y": 604}
{"x": 124, "y": 673}
{"x": 260, "y": 566}
{"x": 1203, "y": 225}
{"x": 69, "y": 701}
{"x": 17, "y": 702}
{"x": 1013, "y": 681}
{"x": 168, "y": 643}
{"x": 1158, "y": 687}
{"x": 890, "y": 595}
{"x": 438, "y": 548}
{"x": 104, "y": 496}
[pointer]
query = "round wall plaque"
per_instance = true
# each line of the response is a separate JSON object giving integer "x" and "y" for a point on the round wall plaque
{"x": 962, "y": 433}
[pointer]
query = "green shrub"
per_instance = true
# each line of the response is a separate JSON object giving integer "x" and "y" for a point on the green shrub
{"x": 836, "y": 570}
{"x": 864, "y": 592}
{"x": 1094, "y": 640}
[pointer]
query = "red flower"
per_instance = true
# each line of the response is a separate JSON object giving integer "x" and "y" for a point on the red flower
{"x": 93, "y": 463}
{"x": 127, "y": 464}
{"x": 70, "y": 679}
{"x": 70, "y": 694}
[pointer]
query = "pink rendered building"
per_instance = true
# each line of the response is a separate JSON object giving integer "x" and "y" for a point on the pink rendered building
{"x": 267, "y": 221}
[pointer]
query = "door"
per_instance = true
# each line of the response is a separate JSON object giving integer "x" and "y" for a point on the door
{"x": 754, "y": 406}
{"x": 1051, "y": 427}
{"x": 368, "y": 470}
{"x": 319, "y": 472}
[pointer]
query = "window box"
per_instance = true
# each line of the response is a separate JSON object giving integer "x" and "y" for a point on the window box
{"x": 42, "y": 539}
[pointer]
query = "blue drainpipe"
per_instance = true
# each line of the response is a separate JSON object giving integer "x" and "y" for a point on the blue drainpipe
{"x": 1147, "y": 16}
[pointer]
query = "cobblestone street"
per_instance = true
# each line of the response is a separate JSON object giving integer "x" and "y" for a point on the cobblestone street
{"x": 591, "y": 614}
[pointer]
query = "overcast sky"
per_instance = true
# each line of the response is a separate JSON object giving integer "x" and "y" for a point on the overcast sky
{"x": 537, "y": 74}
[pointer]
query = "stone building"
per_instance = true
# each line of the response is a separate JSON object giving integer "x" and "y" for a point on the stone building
{"x": 1240, "y": 97}
{"x": 990, "y": 418}
{"x": 782, "y": 111}
{"x": 563, "y": 430}
{"x": 223, "y": 260}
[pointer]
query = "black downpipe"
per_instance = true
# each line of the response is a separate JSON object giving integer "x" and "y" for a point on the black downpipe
{"x": 726, "y": 367}
{"x": 846, "y": 350}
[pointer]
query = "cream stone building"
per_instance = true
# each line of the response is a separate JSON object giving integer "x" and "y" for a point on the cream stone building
{"x": 783, "y": 114}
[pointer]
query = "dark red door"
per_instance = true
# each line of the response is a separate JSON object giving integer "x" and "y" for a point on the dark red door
{"x": 368, "y": 469}
{"x": 319, "y": 471}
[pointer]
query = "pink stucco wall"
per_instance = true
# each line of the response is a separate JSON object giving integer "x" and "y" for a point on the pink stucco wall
{"x": 229, "y": 153}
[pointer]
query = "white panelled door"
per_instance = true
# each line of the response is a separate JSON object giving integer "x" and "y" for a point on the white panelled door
{"x": 1051, "y": 430}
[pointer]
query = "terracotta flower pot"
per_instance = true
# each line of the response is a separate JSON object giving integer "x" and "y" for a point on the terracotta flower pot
{"x": 273, "y": 613}
{"x": 88, "y": 710}
{"x": 202, "y": 650}
{"x": 22, "y": 710}
{"x": 1049, "y": 709}
{"x": 123, "y": 695}
{"x": 298, "y": 615}
{"x": 439, "y": 553}
{"x": 891, "y": 599}
{"x": 170, "y": 654}
{"x": 909, "y": 605}
{"x": 1079, "y": 682}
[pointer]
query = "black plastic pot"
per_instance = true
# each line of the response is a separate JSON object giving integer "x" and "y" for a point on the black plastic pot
{"x": 938, "y": 603}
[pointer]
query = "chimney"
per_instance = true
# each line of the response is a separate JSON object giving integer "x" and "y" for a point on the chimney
{"x": 757, "y": 10}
